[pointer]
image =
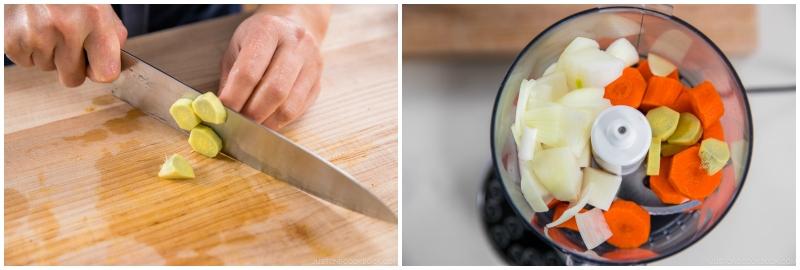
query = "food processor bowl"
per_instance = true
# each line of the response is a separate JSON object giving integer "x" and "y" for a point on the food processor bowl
{"x": 649, "y": 29}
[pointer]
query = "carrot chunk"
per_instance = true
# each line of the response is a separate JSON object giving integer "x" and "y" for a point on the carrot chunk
{"x": 706, "y": 103}
{"x": 687, "y": 176}
{"x": 629, "y": 223}
{"x": 661, "y": 91}
{"x": 628, "y": 89}
{"x": 644, "y": 69}
{"x": 683, "y": 103}
{"x": 661, "y": 186}
{"x": 714, "y": 131}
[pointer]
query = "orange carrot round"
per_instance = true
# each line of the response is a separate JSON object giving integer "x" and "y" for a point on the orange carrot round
{"x": 629, "y": 224}
{"x": 661, "y": 91}
{"x": 628, "y": 89}
{"x": 661, "y": 186}
{"x": 706, "y": 103}
{"x": 687, "y": 176}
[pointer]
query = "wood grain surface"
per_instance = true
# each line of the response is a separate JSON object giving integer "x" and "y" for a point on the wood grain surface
{"x": 503, "y": 30}
{"x": 80, "y": 165}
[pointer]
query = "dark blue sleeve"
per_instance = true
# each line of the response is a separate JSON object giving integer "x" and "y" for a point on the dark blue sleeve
{"x": 141, "y": 19}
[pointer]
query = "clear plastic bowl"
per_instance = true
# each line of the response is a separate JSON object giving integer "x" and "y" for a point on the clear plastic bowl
{"x": 650, "y": 29}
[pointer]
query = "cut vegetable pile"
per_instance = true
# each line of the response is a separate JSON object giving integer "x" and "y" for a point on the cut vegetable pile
{"x": 188, "y": 114}
{"x": 552, "y": 127}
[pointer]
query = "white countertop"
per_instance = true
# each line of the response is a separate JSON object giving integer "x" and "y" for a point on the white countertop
{"x": 446, "y": 115}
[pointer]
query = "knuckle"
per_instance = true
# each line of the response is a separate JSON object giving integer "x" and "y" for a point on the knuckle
{"x": 288, "y": 112}
{"x": 123, "y": 32}
{"x": 73, "y": 81}
{"x": 270, "y": 19}
{"x": 248, "y": 77}
{"x": 12, "y": 46}
{"x": 300, "y": 34}
{"x": 277, "y": 92}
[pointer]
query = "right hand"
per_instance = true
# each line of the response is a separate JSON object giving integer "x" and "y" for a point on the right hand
{"x": 54, "y": 37}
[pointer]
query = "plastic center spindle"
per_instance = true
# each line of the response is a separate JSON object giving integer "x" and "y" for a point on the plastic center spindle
{"x": 619, "y": 134}
{"x": 620, "y": 139}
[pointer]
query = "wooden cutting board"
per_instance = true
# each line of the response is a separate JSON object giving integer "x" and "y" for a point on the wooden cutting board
{"x": 503, "y": 30}
{"x": 81, "y": 165}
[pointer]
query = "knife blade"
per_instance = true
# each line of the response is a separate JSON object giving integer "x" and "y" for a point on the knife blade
{"x": 153, "y": 92}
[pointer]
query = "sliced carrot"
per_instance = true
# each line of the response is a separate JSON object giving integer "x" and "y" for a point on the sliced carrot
{"x": 683, "y": 103}
{"x": 569, "y": 224}
{"x": 628, "y": 89}
{"x": 644, "y": 69}
{"x": 661, "y": 91}
{"x": 661, "y": 186}
{"x": 706, "y": 103}
{"x": 714, "y": 131}
{"x": 687, "y": 176}
{"x": 630, "y": 254}
{"x": 629, "y": 224}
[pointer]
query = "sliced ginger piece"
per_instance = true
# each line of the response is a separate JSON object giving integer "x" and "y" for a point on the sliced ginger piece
{"x": 714, "y": 154}
{"x": 688, "y": 131}
{"x": 654, "y": 157}
{"x": 183, "y": 114}
{"x": 663, "y": 121}
{"x": 205, "y": 141}
{"x": 209, "y": 108}
{"x": 176, "y": 167}
{"x": 668, "y": 150}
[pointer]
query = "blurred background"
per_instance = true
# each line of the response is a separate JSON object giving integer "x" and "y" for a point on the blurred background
{"x": 454, "y": 59}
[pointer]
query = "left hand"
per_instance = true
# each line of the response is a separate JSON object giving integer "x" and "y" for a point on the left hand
{"x": 271, "y": 70}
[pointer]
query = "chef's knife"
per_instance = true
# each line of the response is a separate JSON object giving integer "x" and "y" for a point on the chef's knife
{"x": 153, "y": 91}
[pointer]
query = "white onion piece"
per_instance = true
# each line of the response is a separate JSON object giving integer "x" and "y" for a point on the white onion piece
{"x": 550, "y": 69}
{"x": 593, "y": 228}
{"x": 573, "y": 207}
{"x": 558, "y": 172}
{"x": 659, "y": 66}
{"x": 580, "y": 43}
{"x": 624, "y": 50}
{"x": 590, "y": 68}
{"x": 547, "y": 118}
{"x": 526, "y": 148}
{"x": 558, "y": 82}
{"x": 532, "y": 190}
{"x": 585, "y": 97}
{"x": 522, "y": 101}
{"x": 585, "y": 158}
{"x": 576, "y": 129}
{"x": 605, "y": 187}
{"x": 516, "y": 135}
{"x": 539, "y": 95}
{"x": 577, "y": 44}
